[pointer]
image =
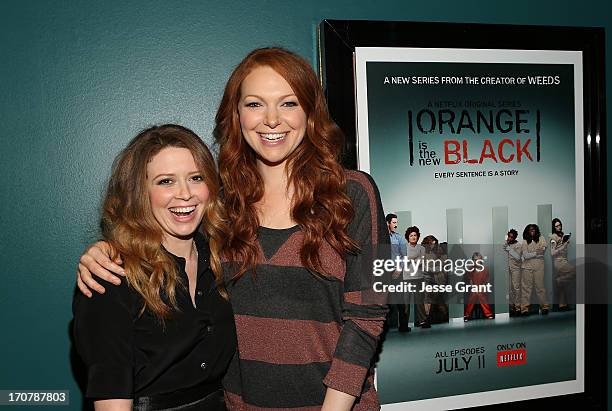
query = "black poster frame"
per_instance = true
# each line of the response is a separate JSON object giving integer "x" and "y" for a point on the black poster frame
{"x": 337, "y": 42}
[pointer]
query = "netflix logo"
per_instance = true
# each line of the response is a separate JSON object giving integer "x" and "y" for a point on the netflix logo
{"x": 511, "y": 354}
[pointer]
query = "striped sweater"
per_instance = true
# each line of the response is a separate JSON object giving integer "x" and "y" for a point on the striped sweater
{"x": 299, "y": 334}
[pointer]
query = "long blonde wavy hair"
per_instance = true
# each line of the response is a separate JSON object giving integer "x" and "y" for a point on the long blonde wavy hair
{"x": 129, "y": 226}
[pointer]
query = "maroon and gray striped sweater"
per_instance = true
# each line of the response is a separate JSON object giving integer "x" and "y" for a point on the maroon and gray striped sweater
{"x": 298, "y": 333}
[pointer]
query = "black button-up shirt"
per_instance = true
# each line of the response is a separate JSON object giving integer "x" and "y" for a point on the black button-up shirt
{"x": 129, "y": 356}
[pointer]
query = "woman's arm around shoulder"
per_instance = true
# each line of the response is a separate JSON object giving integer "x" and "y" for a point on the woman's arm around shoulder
{"x": 96, "y": 260}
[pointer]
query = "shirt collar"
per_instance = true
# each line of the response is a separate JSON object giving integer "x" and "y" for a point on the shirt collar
{"x": 203, "y": 252}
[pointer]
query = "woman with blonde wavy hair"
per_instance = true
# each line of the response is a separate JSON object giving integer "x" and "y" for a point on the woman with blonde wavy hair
{"x": 301, "y": 229}
{"x": 143, "y": 342}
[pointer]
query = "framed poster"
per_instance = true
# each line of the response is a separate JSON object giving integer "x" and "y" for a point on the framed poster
{"x": 467, "y": 141}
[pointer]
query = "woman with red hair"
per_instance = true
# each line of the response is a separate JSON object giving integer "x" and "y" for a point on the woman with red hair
{"x": 301, "y": 228}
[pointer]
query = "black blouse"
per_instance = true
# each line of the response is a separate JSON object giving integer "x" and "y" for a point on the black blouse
{"x": 130, "y": 356}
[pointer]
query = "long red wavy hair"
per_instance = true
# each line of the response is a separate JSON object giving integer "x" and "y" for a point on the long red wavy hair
{"x": 321, "y": 206}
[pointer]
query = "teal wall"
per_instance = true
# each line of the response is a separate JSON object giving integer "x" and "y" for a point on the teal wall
{"x": 78, "y": 79}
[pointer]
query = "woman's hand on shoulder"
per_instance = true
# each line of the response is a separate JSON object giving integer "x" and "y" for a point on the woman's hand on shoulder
{"x": 96, "y": 260}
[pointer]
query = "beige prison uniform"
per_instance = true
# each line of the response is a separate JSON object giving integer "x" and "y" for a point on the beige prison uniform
{"x": 564, "y": 272}
{"x": 514, "y": 272}
{"x": 532, "y": 274}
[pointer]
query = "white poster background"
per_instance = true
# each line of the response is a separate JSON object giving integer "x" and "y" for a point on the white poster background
{"x": 364, "y": 55}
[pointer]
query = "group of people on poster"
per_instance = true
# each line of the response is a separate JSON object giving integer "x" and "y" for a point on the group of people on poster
{"x": 525, "y": 269}
{"x": 429, "y": 307}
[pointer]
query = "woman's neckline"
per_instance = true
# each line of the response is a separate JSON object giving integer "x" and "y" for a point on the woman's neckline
{"x": 279, "y": 230}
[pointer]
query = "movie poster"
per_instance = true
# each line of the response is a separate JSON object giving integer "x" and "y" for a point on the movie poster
{"x": 467, "y": 144}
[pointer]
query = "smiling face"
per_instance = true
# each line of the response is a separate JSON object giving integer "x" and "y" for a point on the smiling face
{"x": 271, "y": 118}
{"x": 177, "y": 193}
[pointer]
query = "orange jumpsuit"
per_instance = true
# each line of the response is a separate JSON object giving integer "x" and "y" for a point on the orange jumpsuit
{"x": 477, "y": 278}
